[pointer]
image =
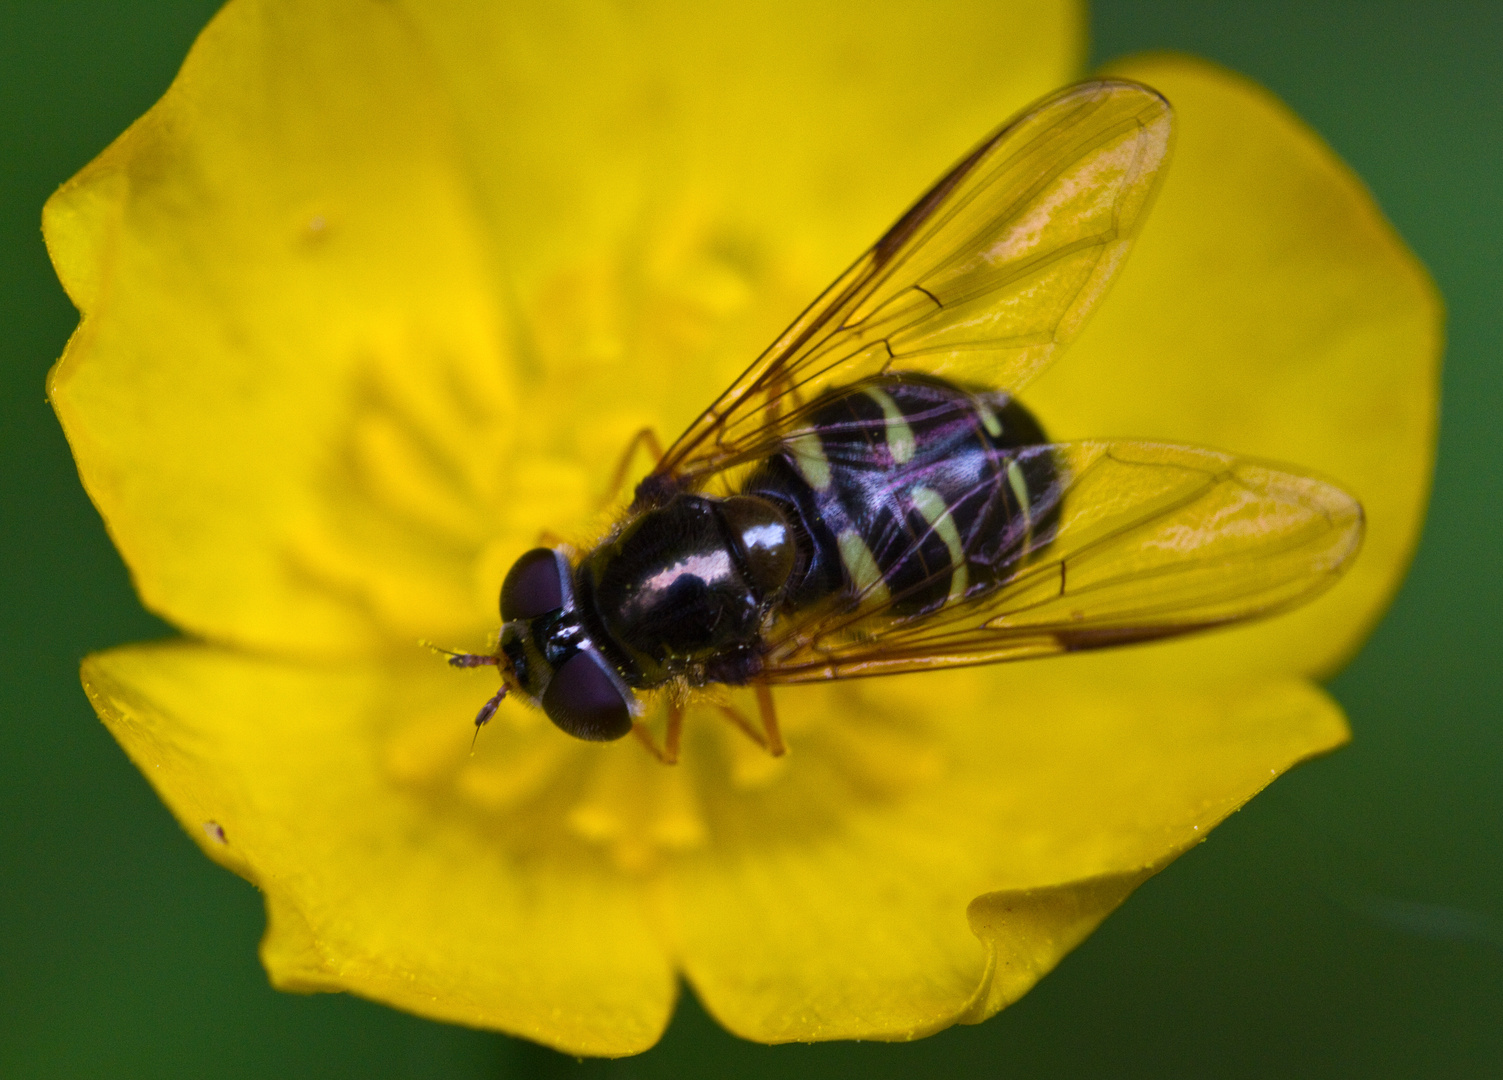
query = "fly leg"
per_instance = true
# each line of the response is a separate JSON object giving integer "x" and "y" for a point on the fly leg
{"x": 645, "y": 438}
{"x": 770, "y": 727}
{"x": 668, "y": 752}
{"x": 783, "y": 398}
{"x": 742, "y": 724}
{"x": 770, "y": 737}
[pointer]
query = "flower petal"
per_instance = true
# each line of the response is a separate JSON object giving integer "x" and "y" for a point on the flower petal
{"x": 288, "y": 775}
{"x": 668, "y": 185}
{"x": 947, "y": 902}
{"x": 815, "y": 122}
{"x": 1271, "y": 310}
{"x": 292, "y": 397}
{"x": 281, "y": 279}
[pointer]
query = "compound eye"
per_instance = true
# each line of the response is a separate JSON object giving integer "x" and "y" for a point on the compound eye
{"x": 534, "y": 585}
{"x": 586, "y": 699}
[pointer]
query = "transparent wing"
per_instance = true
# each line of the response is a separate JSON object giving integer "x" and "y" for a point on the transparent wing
{"x": 1134, "y": 541}
{"x": 981, "y": 281}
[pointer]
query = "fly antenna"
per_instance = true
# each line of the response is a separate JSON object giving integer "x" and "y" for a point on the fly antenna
{"x": 473, "y": 660}
{"x": 464, "y": 659}
{"x": 483, "y": 717}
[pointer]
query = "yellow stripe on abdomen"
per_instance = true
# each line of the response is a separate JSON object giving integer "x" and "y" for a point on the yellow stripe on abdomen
{"x": 808, "y": 453}
{"x": 931, "y": 505}
{"x": 862, "y": 569}
{"x": 899, "y": 435}
{"x": 1019, "y": 487}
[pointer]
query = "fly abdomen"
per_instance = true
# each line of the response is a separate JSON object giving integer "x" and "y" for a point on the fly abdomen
{"x": 918, "y": 493}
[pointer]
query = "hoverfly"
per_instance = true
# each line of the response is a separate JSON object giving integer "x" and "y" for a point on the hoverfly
{"x": 869, "y": 497}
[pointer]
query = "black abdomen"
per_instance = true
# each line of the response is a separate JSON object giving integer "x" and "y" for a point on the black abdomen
{"x": 911, "y": 489}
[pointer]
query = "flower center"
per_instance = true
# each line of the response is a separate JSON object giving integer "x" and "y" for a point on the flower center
{"x": 533, "y": 788}
{"x": 458, "y": 462}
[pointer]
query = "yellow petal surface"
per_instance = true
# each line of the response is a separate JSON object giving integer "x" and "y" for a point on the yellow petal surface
{"x": 903, "y": 870}
{"x": 587, "y": 125}
{"x": 1027, "y": 809}
{"x": 294, "y": 778}
{"x": 669, "y": 184}
{"x": 1268, "y": 309}
{"x": 320, "y": 275}
{"x": 279, "y": 277}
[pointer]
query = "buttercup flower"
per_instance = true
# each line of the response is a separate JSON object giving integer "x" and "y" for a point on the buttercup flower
{"x": 379, "y": 291}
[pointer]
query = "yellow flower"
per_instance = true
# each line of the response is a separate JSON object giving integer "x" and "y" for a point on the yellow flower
{"x": 378, "y": 291}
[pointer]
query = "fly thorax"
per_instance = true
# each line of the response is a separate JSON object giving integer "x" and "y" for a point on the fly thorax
{"x": 675, "y": 587}
{"x": 761, "y": 539}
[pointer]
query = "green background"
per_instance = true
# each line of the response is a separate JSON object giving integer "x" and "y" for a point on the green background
{"x": 1348, "y": 923}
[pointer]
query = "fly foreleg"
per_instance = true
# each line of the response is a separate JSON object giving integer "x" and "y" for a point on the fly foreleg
{"x": 770, "y": 737}
{"x": 668, "y": 752}
{"x": 645, "y": 439}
